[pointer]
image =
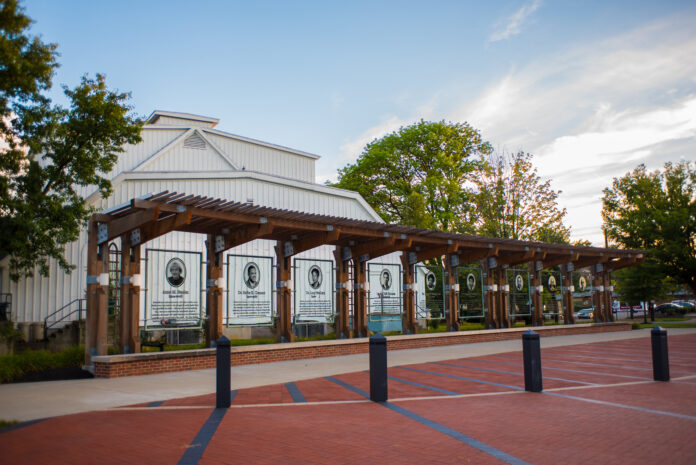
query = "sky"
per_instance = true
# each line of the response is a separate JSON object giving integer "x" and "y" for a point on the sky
{"x": 591, "y": 88}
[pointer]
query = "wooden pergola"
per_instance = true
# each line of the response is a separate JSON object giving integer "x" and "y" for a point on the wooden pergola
{"x": 231, "y": 224}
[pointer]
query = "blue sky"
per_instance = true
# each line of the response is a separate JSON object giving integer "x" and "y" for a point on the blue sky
{"x": 591, "y": 88}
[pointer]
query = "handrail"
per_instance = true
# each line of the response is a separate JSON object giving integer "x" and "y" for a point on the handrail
{"x": 81, "y": 305}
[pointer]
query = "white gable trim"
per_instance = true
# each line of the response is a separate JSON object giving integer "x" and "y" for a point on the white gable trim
{"x": 216, "y": 148}
{"x": 177, "y": 141}
{"x": 239, "y": 138}
{"x": 158, "y": 175}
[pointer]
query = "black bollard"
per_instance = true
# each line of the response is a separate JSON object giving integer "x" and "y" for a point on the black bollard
{"x": 659, "y": 354}
{"x": 531, "y": 350}
{"x": 378, "y": 368}
{"x": 222, "y": 374}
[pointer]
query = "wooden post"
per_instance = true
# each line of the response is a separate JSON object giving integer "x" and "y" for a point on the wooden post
{"x": 409, "y": 317}
{"x": 284, "y": 294}
{"x": 342, "y": 295}
{"x": 452, "y": 292}
{"x": 125, "y": 313}
{"x": 566, "y": 270}
{"x": 537, "y": 304}
{"x": 503, "y": 298}
{"x": 134, "y": 330}
{"x": 609, "y": 299}
{"x": 360, "y": 297}
{"x": 597, "y": 297}
{"x": 213, "y": 292}
{"x": 92, "y": 303}
{"x": 489, "y": 299}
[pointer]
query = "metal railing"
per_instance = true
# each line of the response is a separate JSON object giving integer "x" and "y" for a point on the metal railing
{"x": 65, "y": 312}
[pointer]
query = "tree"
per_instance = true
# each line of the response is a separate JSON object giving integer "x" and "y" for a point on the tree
{"x": 514, "y": 203}
{"x": 656, "y": 211}
{"x": 420, "y": 175}
{"x": 51, "y": 153}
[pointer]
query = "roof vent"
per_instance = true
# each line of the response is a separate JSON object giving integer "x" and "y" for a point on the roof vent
{"x": 194, "y": 141}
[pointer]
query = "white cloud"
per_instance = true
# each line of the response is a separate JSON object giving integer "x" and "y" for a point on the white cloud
{"x": 513, "y": 25}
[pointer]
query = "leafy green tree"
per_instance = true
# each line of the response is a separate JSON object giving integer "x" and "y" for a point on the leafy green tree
{"x": 513, "y": 202}
{"x": 50, "y": 153}
{"x": 656, "y": 211}
{"x": 420, "y": 175}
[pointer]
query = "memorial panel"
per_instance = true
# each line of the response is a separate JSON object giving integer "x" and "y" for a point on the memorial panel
{"x": 173, "y": 289}
{"x": 385, "y": 290}
{"x": 430, "y": 292}
{"x": 250, "y": 290}
{"x": 314, "y": 291}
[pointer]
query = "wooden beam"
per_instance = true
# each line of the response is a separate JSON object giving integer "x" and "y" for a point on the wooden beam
{"x": 556, "y": 260}
{"x": 474, "y": 255}
{"x": 311, "y": 241}
{"x": 120, "y": 226}
{"x": 369, "y": 247}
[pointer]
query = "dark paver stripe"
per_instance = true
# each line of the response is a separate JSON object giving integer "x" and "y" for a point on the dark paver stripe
{"x": 508, "y": 386}
{"x": 631, "y": 407}
{"x": 22, "y": 425}
{"x": 295, "y": 393}
{"x": 483, "y": 447}
{"x": 233, "y": 394}
{"x": 511, "y": 373}
{"x": 425, "y": 386}
{"x": 156, "y": 403}
{"x": 195, "y": 450}
{"x": 497, "y": 453}
{"x": 348, "y": 386}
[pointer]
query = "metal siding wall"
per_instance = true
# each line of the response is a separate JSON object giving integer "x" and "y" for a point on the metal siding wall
{"x": 265, "y": 159}
{"x": 182, "y": 159}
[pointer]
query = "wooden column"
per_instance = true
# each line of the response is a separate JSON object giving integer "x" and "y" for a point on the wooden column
{"x": 97, "y": 295}
{"x": 566, "y": 270}
{"x": 360, "y": 297}
{"x": 503, "y": 298}
{"x": 452, "y": 292}
{"x": 597, "y": 297}
{"x": 609, "y": 299}
{"x": 409, "y": 317}
{"x": 343, "y": 287}
{"x": 490, "y": 287}
{"x": 284, "y": 294}
{"x": 125, "y": 311}
{"x": 537, "y": 304}
{"x": 213, "y": 292}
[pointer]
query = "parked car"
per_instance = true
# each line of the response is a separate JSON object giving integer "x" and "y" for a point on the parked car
{"x": 585, "y": 314}
{"x": 670, "y": 309}
{"x": 688, "y": 305}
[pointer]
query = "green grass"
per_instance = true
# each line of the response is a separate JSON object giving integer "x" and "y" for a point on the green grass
{"x": 666, "y": 325}
{"x": 15, "y": 366}
{"x": 7, "y": 423}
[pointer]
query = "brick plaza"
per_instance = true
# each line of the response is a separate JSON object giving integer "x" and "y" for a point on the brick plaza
{"x": 599, "y": 405}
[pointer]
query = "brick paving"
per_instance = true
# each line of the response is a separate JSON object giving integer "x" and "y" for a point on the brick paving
{"x": 599, "y": 405}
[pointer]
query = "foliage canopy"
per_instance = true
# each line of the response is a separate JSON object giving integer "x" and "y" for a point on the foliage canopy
{"x": 50, "y": 153}
{"x": 656, "y": 211}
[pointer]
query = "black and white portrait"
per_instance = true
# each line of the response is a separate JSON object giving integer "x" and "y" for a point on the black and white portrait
{"x": 175, "y": 272}
{"x": 519, "y": 282}
{"x": 251, "y": 275}
{"x": 552, "y": 283}
{"x": 471, "y": 281}
{"x": 430, "y": 281}
{"x": 314, "y": 277}
{"x": 385, "y": 279}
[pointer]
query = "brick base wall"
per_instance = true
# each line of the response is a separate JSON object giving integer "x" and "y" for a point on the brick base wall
{"x": 161, "y": 362}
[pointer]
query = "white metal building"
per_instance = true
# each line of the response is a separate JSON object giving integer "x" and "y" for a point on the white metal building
{"x": 182, "y": 152}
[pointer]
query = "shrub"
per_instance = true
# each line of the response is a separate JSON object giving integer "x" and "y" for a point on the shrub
{"x": 15, "y": 366}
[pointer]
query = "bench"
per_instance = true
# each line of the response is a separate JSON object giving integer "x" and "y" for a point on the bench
{"x": 153, "y": 344}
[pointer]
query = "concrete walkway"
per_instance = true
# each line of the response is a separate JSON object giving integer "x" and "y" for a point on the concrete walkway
{"x": 29, "y": 401}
